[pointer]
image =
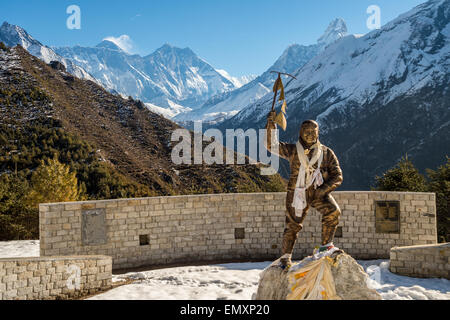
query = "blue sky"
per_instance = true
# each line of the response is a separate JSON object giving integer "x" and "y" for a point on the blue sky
{"x": 240, "y": 36}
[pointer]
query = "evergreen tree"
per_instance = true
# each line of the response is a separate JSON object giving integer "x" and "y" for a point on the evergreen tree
{"x": 13, "y": 191}
{"x": 17, "y": 220}
{"x": 3, "y": 47}
{"x": 440, "y": 185}
{"x": 53, "y": 182}
{"x": 403, "y": 177}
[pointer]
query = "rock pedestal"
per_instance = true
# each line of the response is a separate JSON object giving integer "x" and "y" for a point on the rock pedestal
{"x": 350, "y": 280}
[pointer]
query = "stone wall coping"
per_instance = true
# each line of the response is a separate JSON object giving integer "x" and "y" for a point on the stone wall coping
{"x": 55, "y": 258}
{"x": 422, "y": 246}
{"x": 227, "y": 195}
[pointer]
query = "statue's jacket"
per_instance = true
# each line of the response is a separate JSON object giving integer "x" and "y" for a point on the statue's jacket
{"x": 330, "y": 169}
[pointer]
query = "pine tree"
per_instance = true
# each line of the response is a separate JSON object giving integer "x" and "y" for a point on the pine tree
{"x": 13, "y": 191}
{"x": 3, "y": 47}
{"x": 440, "y": 184}
{"x": 403, "y": 177}
{"x": 53, "y": 182}
{"x": 17, "y": 220}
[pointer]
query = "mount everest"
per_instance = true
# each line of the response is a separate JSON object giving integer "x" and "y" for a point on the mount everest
{"x": 172, "y": 78}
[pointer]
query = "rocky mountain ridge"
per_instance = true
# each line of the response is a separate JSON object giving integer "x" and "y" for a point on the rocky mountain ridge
{"x": 375, "y": 97}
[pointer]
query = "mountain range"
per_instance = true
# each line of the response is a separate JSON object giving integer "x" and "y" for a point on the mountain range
{"x": 376, "y": 97}
{"x": 56, "y": 113}
{"x": 169, "y": 76}
{"x": 171, "y": 81}
{"x": 227, "y": 104}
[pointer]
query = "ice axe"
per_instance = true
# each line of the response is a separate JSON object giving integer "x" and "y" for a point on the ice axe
{"x": 280, "y": 119}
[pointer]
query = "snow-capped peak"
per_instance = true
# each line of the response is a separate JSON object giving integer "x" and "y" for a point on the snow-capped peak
{"x": 13, "y": 35}
{"x": 404, "y": 56}
{"x": 169, "y": 51}
{"x": 293, "y": 58}
{"x": 237, "y": 81}
{"x": 108, "y": 45}
{"x": 336, "y": 30}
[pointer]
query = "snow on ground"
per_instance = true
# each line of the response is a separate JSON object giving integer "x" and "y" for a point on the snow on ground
{"x": 19, "y": 248}
{"x": 236, "y": 281}
{"x": 395, "y": 287}
{"x": 232, "y": 281}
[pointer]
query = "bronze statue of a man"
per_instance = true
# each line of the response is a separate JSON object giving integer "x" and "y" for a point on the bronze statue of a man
{"x": 315, "y": 173}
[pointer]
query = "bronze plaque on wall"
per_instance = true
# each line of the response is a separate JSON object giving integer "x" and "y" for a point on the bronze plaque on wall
{"x": 387, "y": 216}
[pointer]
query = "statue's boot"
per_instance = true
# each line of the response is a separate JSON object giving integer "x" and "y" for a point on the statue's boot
{"x": 328, "y": 234}
{"x": 289, "y": 239}
{"x": 286, "y": 261}
{"x": 330, "y": 222}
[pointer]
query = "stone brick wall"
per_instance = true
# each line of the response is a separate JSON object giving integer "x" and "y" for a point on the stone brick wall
{"x": 185, "y": 229}
{"x": 359, "y": 237}
{"x": 53, "y": 277}
{"x": 423, "y": 261}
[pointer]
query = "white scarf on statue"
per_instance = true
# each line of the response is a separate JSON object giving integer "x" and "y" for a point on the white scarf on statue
{"x": 307, "y": 175}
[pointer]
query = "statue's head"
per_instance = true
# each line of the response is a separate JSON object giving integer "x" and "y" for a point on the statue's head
{"x": 309, "y": 132}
